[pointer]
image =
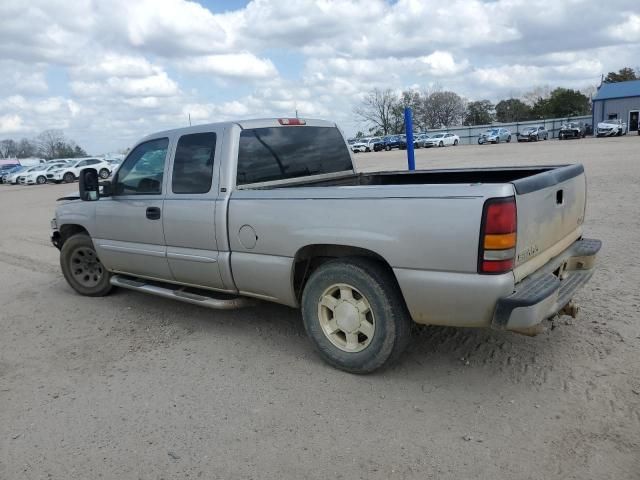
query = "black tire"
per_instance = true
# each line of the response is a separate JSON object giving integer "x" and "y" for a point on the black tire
{"x": 480, "y": 141}
{"x": 455, "y": 143}
{"x": 88, "y": 278}
{"x": 509, "y": 139}
{"x": 104, "y": 173}
{"x": 367, "y": 150}
{"x": 441, "y": 144}
{"x": 387, "y": 148}
{"x": 391, "y": 318}
{"x": 41, "y": 180}
{"x": 497, "y": 140}
{"x": 69, "y": 177}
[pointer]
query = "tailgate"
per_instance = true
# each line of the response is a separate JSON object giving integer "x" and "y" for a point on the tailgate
{"x": 550, "y": 208}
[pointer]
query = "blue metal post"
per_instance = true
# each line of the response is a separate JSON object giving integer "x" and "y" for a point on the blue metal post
{"x": 408, "y": 125}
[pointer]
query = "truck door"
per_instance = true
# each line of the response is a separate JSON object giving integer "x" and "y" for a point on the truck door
{"x": 129, "y": 236}
{"x": 189, "y": 209}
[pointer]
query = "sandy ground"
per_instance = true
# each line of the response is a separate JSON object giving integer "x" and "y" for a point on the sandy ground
{"x": 131, "y": 386}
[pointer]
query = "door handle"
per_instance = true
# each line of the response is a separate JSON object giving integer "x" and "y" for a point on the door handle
{"x": 153, "y": 213}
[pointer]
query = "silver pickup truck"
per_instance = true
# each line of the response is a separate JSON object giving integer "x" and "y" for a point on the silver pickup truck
{"x": 274, "y": 209}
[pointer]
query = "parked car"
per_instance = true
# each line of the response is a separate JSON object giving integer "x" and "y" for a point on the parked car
{"x": 420, "y": 139}
{"x": 69, "y": 173}
{"x": 12, "y": 178}
{"x": 571, "y": 130}
{"x": 533, "y": 134}
{"x": 7, "y": 168}
{"x": 442, "y": 139}
{"x": 38, "y": 175}
{"x": 494, "y": 135}
{"x": 612, "y": 128}
{"x": 495, "y": 252}
{"x": 389, "y": 143}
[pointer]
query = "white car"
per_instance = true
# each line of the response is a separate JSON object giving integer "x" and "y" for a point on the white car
{"x": 12, "y": 178}
{"x": 37, "y": 175}
{"x": 443, "y": 139}
{"x": 69, "y": 173}
{"x": 611, "y": 128}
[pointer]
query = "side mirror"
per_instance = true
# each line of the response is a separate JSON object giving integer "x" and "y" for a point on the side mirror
{"x": 89, "y": 185}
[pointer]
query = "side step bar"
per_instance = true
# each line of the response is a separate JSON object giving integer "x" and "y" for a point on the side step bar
{"x": 176, "y": 292}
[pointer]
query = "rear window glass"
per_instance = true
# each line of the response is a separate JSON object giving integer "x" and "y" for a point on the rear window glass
{"x": 277, "y": 153}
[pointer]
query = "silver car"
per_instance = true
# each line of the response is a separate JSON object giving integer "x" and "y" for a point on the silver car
{"x": 494, "y": 135}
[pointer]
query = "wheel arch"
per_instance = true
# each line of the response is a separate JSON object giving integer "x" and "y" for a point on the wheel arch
{"x": 68, "y": 230}
{"x": 308, "y": 258}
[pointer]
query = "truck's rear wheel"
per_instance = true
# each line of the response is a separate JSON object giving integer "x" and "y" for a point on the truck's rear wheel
{"x": 82, "y": 268}
{"x": 354, "y": 313}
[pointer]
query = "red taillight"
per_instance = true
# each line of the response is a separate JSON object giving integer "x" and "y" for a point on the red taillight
{"x": 291, "y": 121}
{"x": 497, "y": 248}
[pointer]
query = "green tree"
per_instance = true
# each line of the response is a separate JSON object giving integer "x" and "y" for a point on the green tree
{"x": 512, "y": 110}
{"x": 479, "y": 113}
{"x": 563, "y": 102}
{"x": 622, "y": 75}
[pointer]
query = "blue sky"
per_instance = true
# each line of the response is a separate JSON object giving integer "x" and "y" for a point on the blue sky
{"x": 111, "y": 71}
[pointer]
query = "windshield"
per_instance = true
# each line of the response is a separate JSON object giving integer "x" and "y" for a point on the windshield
{"x": 493, "y": 131}
{"x": 529, "y": 130}
{"x": 438, "y": 135}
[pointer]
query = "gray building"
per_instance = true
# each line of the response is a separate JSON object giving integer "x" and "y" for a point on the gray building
{"x": 619, "y": 101}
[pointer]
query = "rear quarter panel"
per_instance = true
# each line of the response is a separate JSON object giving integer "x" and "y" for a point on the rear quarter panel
{"x": 422, "y": 227}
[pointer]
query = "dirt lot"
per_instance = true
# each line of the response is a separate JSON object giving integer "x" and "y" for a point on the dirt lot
{"x": 131, "y": 386}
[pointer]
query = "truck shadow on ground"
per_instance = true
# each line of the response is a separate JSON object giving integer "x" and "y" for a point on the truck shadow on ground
{"x": 278, "y": 330}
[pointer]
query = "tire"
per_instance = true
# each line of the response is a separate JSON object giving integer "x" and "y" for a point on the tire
{"x": 497, "y": 140}
{"x": 367, "y": 150}
{"x": 41, "y": 180}
{"x": 455, "y": 143}
{"x": 69, "y": 177}
{"x": 480, "y": 141}
{"x": 81, "y": 267}
{"x": 441, "y": 144}
{"x": 370, "y": 284}
{"x": 104, "y": 173}
{"x": 509, "y": 139}
{"x": 387, "y": 148}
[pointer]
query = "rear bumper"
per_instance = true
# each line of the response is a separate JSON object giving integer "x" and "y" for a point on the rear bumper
{"x": 544, "y": 293}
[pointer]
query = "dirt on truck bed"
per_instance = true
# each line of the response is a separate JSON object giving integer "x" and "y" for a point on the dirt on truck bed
{"x": 132, "y": 386}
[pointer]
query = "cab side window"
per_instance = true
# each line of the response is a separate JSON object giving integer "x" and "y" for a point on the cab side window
{"x": 193, "y": 163}
{"x": 142, "y": 171}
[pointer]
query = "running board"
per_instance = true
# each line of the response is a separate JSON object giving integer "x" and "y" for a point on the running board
{"x": 176, "y": 292}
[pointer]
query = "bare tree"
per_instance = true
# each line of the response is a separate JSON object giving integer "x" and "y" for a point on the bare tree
{"x": 26, "y": 148}
{"x": 48, "y": 143}
{"x": 8, "y": 149}
{"x": 535, "y": 94}
{"x": 379, "y": 109}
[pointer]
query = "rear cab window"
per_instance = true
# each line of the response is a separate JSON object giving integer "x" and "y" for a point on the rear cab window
{"x": 193, "y": 163}
{"x": 279, "y": 153}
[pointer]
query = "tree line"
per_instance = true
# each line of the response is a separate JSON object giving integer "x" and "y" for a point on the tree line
{"x": 382, "y": 110}
{"x": 48, "y": 144}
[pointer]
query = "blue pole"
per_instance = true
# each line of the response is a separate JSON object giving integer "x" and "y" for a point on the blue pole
{"x": 408, "y": 126}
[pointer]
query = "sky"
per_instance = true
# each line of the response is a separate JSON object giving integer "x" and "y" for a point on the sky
{"x": 108, "y": 72}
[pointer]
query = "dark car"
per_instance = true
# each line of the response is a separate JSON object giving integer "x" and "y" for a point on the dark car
{"x": 571, "y": 130}
{"x": 389, "y": 143}
{"x": 533, "y": 134}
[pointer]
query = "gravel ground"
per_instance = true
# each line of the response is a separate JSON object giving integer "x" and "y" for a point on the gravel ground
{"x": 132, "y": 386}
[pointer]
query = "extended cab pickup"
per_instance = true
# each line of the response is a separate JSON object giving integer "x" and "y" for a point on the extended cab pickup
{"x": 274, "y": 209}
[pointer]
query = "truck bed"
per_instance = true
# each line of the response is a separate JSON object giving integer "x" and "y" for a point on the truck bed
{"x": 525, "y": 179}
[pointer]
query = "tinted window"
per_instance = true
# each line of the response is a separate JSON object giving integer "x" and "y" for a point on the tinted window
{"x": 193, "y": 163}
{"x": 142, "y": 171}
{"x": 92, "y": 162}
{"x": 288, "y": 152}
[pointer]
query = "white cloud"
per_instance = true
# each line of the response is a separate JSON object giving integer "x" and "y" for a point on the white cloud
{"x": 11, "y": 123}
{"x": 629, "y": 30}
{"x": 242, "y": 66}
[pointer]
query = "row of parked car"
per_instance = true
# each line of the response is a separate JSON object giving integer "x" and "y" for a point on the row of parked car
{"x": 491, "y": 135}
{"x": 54, "y": 171}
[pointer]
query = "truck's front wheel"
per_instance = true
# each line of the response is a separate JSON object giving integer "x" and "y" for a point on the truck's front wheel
{"x": 354, "y": 313}
{"x": 82, "y": 268}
